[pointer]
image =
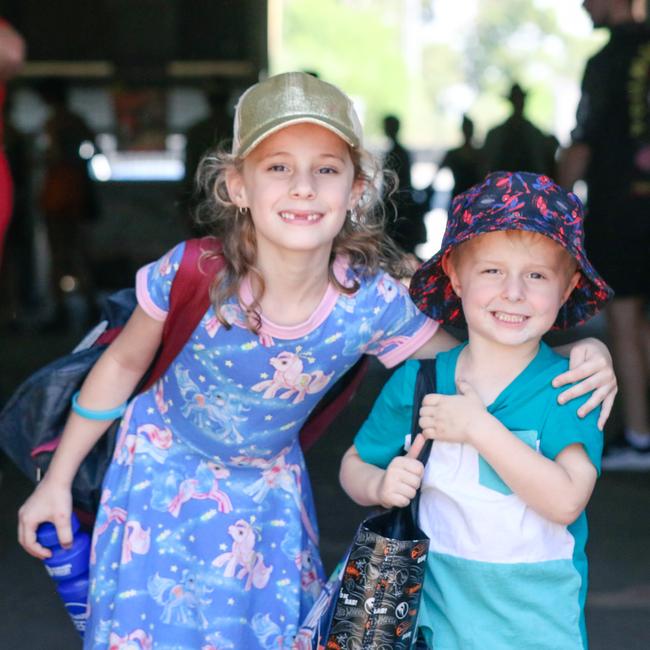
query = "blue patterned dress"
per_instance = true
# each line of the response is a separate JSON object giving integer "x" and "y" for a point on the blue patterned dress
{"x": 206, "y": 537}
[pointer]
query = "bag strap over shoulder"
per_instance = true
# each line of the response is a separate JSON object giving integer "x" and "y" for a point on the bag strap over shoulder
{"x": 425, "y": 383}
{"x": 189, "y": 299}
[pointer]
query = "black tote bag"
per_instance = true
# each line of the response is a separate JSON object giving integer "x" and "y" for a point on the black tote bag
{"x": 373, "y": 602}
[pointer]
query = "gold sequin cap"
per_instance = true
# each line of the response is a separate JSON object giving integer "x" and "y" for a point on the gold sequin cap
{"x": 292, "y": 98}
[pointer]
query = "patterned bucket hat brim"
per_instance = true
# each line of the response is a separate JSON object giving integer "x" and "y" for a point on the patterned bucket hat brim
{"x": 512, "y": 201}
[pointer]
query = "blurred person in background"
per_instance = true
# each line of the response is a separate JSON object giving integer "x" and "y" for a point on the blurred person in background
{"x": 611, "y": 150}
{"x": 205, "y": 134}
{"x": 12, "y": 55}
{"x": 66, "y": 198}
{"x": 466, "y": 161}
{"x": 517, "y": 144}
{"x": 18, "y": 299}
{"x": 405, "y": 214}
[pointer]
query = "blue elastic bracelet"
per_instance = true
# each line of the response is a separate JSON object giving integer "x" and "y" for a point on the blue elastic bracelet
{"x": 110, "y": 414}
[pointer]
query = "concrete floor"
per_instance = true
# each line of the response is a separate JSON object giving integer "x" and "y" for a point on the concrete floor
{"x": 618, "y": 613}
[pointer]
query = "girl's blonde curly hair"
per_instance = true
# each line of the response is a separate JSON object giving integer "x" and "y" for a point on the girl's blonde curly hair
{"x": 362, "y": 239}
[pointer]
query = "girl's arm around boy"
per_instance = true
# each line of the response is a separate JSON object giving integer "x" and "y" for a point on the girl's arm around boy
{"x": 591, "y": 370}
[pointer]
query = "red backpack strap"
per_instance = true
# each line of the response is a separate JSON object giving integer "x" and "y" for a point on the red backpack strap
{"x": 189, "y": 299}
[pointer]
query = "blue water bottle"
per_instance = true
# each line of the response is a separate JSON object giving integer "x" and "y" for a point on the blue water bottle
{"x": 68, "y": 567}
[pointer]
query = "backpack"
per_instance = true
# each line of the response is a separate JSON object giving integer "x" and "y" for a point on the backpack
{"x": 32, "y": 420}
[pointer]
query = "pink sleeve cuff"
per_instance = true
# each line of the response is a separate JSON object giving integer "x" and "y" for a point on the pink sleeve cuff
{"x": 144, "y": 299}
{"x": 412, "y": 344}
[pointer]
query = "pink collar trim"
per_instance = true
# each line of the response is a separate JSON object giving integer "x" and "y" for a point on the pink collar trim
{"x": 318, "y": 316}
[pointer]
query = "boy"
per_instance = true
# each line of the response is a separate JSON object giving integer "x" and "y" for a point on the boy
{"x": 511, "y": 471}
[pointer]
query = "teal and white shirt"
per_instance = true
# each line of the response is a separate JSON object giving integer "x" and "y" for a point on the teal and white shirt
{"x": 499, "y": 575}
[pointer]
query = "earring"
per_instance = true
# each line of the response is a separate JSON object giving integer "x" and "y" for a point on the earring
{"x": 352, "y": 214}
{"x": 241, "y": 211}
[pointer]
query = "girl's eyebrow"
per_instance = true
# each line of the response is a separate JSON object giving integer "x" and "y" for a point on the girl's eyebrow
{"x": 275, "y": 154}
{"x": 332, "y": 155}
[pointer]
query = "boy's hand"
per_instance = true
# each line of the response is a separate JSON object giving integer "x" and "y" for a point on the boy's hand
{"x": 452, "y": 418}
{"x": 402, "y": 477}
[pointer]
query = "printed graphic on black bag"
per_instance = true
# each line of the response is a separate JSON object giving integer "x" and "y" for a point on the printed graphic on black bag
{"x": 378, "y": 602}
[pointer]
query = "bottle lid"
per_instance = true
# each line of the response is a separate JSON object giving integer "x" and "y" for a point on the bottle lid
{"x": 46, "y": 532}
{"x": 67, "y": 563}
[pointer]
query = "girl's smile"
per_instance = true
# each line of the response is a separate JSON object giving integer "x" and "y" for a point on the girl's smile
{"x": 301, "y": 217}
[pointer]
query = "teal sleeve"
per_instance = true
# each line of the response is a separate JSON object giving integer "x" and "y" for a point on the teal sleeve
{"x": 381, "y": 436}
{"x": 563, "y": 427}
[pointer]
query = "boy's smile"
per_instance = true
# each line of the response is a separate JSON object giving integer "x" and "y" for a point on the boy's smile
{"x": 511, "y": 284}
{"x": 509, "y": 318}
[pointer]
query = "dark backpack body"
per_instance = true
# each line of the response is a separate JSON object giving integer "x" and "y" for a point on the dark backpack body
{"x": 34, "y": 416}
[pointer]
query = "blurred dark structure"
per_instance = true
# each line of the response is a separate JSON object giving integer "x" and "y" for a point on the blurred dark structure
{"x": 140, "y": 71}
{"x": 147, "y": 40}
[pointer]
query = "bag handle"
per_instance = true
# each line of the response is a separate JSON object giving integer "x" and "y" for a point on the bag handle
{"x": 189, "y": 299}
{"x": 425, "y": 383}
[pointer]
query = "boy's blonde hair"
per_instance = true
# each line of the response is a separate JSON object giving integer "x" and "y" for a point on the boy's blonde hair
{"x": 454, "y": 255}
{"x": 362, "y": 239}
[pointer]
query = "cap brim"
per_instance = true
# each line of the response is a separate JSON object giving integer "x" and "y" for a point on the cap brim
{"x": 274, "y": 127}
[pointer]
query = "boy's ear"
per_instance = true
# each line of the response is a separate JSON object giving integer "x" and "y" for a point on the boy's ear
{"x": 450, "y": 272}
{"x": 571, "y": 286}
{"x": 236, "y": 188}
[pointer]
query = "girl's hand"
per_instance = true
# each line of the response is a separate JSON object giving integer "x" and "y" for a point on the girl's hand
{"x": 452, "y": 418}
{"x": 51, "y": 503}
{"x": 402, "y": 477}
{"x": 590, "y": 363}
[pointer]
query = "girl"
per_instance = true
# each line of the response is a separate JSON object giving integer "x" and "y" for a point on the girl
{"x": 206, "y": 536}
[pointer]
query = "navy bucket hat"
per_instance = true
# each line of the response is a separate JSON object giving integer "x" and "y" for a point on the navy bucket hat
{"x": 512, "y": 201}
